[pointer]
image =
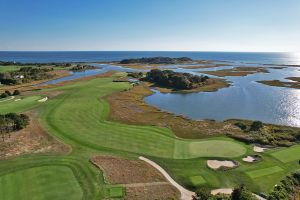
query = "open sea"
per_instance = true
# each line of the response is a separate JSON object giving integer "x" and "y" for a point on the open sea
{"x": 94, "y": 56}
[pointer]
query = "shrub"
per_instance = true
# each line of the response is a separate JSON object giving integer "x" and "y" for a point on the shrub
{"x": 16, "y": 92}
{"x": 8, "y": 92}
{"x": 4, "y": 95}
{"x": 256, "y": 126}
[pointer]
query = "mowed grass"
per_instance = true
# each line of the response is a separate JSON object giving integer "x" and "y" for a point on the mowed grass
{"x": 264, "y": 172}
{"x": 19, "y": 106}
{"x": 208, "y": 148}
{"x": 79, "y": 115}
{"x": 197, "y": 180}
{"x": 288, "y": 154}
{"x": 9, "y": 68}
{"x": 42, "y": 183}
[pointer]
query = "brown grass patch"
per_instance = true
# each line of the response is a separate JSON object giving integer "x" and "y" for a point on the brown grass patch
{"x": 276, "y": 83}
{"x": 124, "y": 171}
{"x": 161, "y": 192}
{"x": 237, "y": 71}
{"x": 129, "y": 107}
{"x": 140, "y": 179}
{"x": 32, "y": 139}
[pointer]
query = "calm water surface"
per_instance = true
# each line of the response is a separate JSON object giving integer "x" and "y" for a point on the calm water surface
{"x": 245, "y": 99}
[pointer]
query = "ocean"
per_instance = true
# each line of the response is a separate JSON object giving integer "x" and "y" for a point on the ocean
{"x": 98, "y": 56}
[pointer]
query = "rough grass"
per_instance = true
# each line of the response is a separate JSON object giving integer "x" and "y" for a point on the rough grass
{"x": 40, "y": 183}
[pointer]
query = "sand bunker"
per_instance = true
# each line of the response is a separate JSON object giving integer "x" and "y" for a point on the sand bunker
{"x": 222, "y": 191}
{"x": 249, "y": 159}
{"x": 17, "y": 99}
{"x": 43, "y": 99}
{"x": 217, "y": 164}
{"x": 258, "y": 149}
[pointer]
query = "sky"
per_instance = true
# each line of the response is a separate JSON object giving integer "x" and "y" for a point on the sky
{"x": 150, "y": 25}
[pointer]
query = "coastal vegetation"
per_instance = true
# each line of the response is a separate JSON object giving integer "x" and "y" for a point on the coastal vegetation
{"x": 156, "y": 60}
{"x": 12, "y": 122}
{"x": 293, "y": 83}
{"x": 237, "y": 71}
{"x": 175, "y": 80}
{"x": 80, "y": 67}
{"x": 266, "y": 134}
{"x": 25, "y": 75}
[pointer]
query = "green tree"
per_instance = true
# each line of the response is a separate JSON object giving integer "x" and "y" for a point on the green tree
{"x": 242, "y": 193}
{"x": 256, "y": 126}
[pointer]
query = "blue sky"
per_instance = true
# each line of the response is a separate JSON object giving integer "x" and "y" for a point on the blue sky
{"x": 189, "y": 25}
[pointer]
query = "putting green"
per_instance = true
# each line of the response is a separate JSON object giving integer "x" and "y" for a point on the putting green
{"x": 197, "y": 180}
{"x": 79, "y": 115}
{"x": 43, "y": 183}
{"x": 288, "y": 155}
{"x": 264, "y": 172}
{"x": 19, "y": 106}
{"x": 185, "y": 149}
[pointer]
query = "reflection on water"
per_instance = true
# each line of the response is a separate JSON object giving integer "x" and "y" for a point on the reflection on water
{"x": 81, "y": 74}
{"x": 245, "y": 99}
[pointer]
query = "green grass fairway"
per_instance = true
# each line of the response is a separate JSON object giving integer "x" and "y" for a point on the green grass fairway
{"x": 19, "y": 106}
{"x": 208, "y": 148}
{"x": 288, "y": 154}
{"x": 78, "y": 117}
{"x": 43, "y": 183}
{"x": 197, "y": 180}
{"x": 264, "y": 172}
{"x": 83, "y": 121}
{"x": 9, "y": 68}
{"x": 115, "y": 192}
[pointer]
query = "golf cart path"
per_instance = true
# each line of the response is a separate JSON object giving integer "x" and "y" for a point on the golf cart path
{"x": 185, "y": 194}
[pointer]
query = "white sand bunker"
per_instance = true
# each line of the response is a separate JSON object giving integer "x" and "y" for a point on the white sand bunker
{"x": 249, "y": 159}
{"x": 217, "y": 164}
{"x": 17, "y": 99}
{"x": 43, "y": 99}
{"x": 258, "y": 149}
{"x": 221, "y": 191}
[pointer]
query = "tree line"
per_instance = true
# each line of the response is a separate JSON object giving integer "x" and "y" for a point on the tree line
{"x": 175, "y": 80}
{"x": 25, "y": 75}
{"x": 12, "y": 122}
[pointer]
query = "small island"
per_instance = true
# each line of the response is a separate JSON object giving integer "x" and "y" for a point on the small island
{"x": 237, "y": 71}
{"x": 294, "y": 83}
{"x": 156, "y": 60}
{"x": 168, "y": 80}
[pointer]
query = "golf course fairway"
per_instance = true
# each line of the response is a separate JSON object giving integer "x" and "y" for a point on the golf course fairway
{"x": 78, "y": 118}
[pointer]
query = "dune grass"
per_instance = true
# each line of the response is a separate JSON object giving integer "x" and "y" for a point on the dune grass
{"x": 78, "y": 117}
